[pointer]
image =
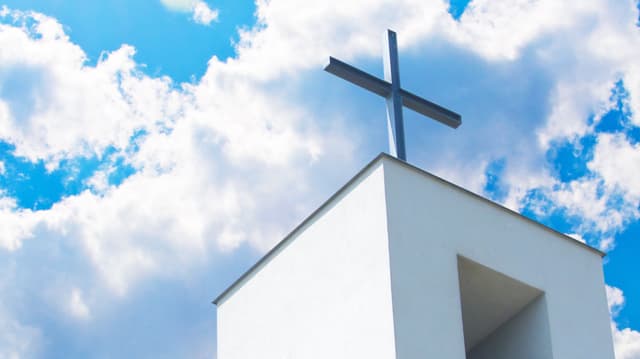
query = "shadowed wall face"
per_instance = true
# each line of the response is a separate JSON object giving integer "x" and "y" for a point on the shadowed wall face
{"x": 502, "y": 317}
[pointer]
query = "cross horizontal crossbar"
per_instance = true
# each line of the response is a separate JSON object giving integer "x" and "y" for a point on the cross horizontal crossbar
{"x": 358, "y": 77}
{"x": 383, "y": 88}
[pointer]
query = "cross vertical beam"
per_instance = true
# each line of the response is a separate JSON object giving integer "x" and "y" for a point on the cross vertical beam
{"x": 395, "y": 122}
{"x": 395, "y": 96}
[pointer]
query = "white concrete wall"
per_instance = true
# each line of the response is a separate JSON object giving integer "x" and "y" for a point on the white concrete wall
{"x": 374, "y": 275}
{"x": 526, "y": 336}
{"x": 326, "y": 294}
{"x": 431, "y": 222}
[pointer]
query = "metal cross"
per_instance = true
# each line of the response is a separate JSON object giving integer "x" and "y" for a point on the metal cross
{"x": 396, "y": 97}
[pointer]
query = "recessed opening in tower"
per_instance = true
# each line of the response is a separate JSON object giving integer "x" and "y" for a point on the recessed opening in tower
{"x": 503, "y": 318}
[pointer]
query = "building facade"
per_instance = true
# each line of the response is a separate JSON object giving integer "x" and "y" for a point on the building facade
{"x": 402, "y": 264}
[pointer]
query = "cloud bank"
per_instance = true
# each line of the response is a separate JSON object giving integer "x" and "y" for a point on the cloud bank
{"x": 234, "y": 160}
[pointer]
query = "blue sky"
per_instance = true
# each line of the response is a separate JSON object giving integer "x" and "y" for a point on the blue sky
{"x": 167, "y": 42}
{"x": 151, "y": 151}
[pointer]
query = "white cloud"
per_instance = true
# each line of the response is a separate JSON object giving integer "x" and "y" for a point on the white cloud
{"x": 552, "y": 34}
{"x": 626, "y": 343}
{"x": 179, "y": 5}
{"x": 574, "y": 195}
{"x": 17, "y": 340}
{"x": 201, "y": 12}
{"x": 501, "y": 29}
{"x": 99, "y": 182}
{"x": 240, "y": 156}
{"x": 626, "y": 340}
{"x": 216, "y": 139}
{"x": 212, "y": 171}
{"x": 15, "y": 225}
{"x": 586, "y": 53}
{"x": 65, "y": 108}
{"x": 618, "y": 162}
{"x": 77, "y": 306}
{"x": 615, "y": 300}
{"x": 610, "y": 47}
{"x": 607, "y": 201}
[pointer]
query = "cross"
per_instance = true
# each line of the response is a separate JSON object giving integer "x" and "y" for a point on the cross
{"x": 395, "y": 96}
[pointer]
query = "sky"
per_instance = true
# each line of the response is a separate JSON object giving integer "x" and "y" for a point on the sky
{"x": 151, "y": 151}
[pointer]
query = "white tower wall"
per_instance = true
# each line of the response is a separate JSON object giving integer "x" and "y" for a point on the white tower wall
{"x": 383, "y": 268}
{"x": 432, "y": 222}
{"x": 324, "y": 293}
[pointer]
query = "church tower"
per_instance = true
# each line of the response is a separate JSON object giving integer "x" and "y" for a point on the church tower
{"x": 402, "y": 264}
